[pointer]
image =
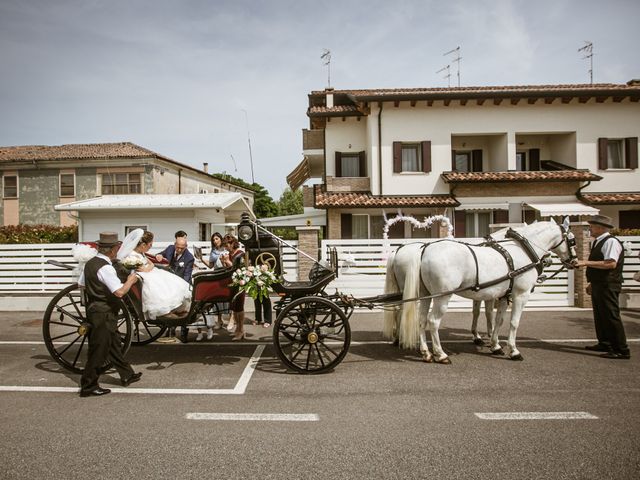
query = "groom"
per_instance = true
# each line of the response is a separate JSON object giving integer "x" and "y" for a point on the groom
{"x": 181, "y": 263}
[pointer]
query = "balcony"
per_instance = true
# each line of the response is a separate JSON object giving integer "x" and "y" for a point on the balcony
{"x": 312, "y": 140}
{"x": 348, "y": 184}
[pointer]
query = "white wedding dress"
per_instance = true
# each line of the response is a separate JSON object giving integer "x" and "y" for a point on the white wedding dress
{"x": 162, "y": 291}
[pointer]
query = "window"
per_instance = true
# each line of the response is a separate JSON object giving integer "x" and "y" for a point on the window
{"x": 360, "y": 226}
{"x": 120, "y": 183}
{"x": 466, "y": 160}
{"x": 528, "y": 161}
{"x": 130, "y": 228}
{"x": 629, "y": 219}
{"x": 350, "y": 164}
{"x": 618, "y": 153}
{"x": 472, "y": 224}
{"x": 67, "y": 185}
{"x": 10, "y": 186}
{"x": 412, "y": 157}
{"x": 521, "y": 161}
{"x": 204, "y": 232}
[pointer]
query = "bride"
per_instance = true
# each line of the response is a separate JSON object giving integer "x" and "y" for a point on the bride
{"x": 162, "y": 291}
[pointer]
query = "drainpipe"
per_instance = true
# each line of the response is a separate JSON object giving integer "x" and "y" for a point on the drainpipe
{"x": 179, "y": 180}
{"x": 380, "y": 148}
{"x": 579, "y": 191}
{"x": 79, "y": 220}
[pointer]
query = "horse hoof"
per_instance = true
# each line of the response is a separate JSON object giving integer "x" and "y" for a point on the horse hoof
{"x": 517, "y": 357}
{"x": 396, "y": 343}
{"x": 498, "y": 352}
{"x": 478, "y": 341}
{"x": 427, "y": 358}
{"x": 444, "y": 361}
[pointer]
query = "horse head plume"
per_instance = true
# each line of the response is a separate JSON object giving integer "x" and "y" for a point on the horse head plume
{"x": 565, "y": 224}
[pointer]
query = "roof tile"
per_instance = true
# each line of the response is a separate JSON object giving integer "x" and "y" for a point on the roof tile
{"x": 611, "y": 198}
{"x": 537, "y": 176}
{"x": 366, "y": 200}
{"x": 74, "y": 151}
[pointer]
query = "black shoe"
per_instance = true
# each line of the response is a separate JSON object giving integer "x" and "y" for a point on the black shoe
{"x": 132, "y": 379}
{"x": 598, "y": 347}
{"x": 617, "y": 355}
{"x": 95, "y": 392}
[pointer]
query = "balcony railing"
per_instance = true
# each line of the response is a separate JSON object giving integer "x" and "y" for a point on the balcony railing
{"x": 312, "y": 139}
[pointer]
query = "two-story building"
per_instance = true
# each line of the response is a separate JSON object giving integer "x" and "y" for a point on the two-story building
{"x": 480, "y": 155}
{"x": 36, "y": 178}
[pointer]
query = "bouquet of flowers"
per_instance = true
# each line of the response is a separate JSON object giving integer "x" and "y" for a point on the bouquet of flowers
{"x": 255, "y": 281}
{"x": 132, "y": 262}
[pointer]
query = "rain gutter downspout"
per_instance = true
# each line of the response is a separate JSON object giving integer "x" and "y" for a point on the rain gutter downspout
{"x": 380, "y": 149}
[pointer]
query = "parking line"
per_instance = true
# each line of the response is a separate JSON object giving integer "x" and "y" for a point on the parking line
{"x": 239, "y": 389}
{"x": 263, "y": 417}
{"x": 537, "y": 416}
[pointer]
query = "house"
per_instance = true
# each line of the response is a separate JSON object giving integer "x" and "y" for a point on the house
{"x": 35, "y": 178}
{"x": 480, "y": 155}
{"x": 198, "y": 214}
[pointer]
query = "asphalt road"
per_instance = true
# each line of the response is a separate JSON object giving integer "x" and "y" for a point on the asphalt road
{"x": 383, "y": 413}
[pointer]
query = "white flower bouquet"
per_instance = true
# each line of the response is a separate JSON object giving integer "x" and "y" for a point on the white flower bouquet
{"x": 132, "y": 262}
{"x": 256, "y": 282}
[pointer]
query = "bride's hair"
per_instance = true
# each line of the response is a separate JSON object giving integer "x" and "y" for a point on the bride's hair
{"x": 147, "y": 237}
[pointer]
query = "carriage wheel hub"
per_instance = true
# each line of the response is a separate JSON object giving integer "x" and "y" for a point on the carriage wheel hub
{"x": 312, "y": 337}
{"x": 83, "y": 329}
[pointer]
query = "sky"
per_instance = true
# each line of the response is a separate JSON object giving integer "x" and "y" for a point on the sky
{"x": 195, "y": 80}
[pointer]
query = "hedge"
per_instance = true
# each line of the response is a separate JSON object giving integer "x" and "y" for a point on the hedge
{"x": 38, "y": 234}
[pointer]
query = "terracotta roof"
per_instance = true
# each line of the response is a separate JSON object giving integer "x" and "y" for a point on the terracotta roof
{"x": 611, "y": 198}
{"x": 64, "y": 152}
{"x": 338, "y": 110}
{"x": 537, "y": 176}
{"x": 598, "y": 89}
{"x": 366, "y": 200}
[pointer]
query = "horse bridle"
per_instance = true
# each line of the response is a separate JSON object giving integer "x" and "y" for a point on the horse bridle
{"x": 570, "y": 239}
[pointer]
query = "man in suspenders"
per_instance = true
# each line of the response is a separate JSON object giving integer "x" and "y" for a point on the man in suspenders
{"x": 604, "y": 274}
{"x": 103, "y": 290}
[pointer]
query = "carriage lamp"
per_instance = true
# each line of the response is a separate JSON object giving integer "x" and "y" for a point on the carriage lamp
{"x": 245, "y": 232}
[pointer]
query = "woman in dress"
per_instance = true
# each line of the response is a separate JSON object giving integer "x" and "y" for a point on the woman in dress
{"x": 163, "y": 293}
{"x": 235, "y": 259}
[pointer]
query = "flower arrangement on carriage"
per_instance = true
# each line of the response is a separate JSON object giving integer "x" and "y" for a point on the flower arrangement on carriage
{"x": 131, "y": 262}
{"x": 257, "y": 282}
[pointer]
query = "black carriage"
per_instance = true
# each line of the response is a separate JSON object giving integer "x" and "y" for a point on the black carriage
{"x": 311, "y": 333}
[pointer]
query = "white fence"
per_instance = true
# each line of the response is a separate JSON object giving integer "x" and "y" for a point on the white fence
{"x": 25, "y": 273}
{"x": 363, "y": 267}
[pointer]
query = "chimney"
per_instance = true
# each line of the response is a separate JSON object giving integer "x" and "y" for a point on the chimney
{"x": 634, "y": 82}
{"x": 205, "y": 167}
{"x": 329, "y": 94}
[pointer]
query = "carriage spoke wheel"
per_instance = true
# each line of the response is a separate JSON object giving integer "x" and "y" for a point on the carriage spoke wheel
{"x": 65, "y": 330}
{"x": 311, "y": 335}
{"x": 268, "y": 259}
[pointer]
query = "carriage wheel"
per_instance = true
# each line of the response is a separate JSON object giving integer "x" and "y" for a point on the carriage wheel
{"x": 311, "y": 335}
{"x": 65, "y": 328}
{"x": 268, "y": 259}
{"x": 144, "y": 332}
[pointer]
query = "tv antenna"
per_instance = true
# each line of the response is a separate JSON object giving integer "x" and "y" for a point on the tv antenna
{"x": 246, "y": 117}
{"x": 456, "y": 59}
{"x": 587, "y": 49}
{"x": 326, "y": 56}
{"x": 448, "y": 75}
{"x": 235, "y": 166}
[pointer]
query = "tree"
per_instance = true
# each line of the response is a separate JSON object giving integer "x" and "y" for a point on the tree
{"x": 290, "y": 202}
{"x": 263, "y": 204}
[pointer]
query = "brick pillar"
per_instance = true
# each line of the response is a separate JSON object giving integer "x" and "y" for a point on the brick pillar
{"x": 583, "y": 246}
{"x": 308, "y": 242}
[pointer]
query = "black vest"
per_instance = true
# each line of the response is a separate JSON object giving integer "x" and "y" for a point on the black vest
{"x": 596, "y": 275}
{"x": 99, "y": 298}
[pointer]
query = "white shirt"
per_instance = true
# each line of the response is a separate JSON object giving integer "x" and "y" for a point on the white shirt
{"x": 611, "y": 249}
{"x": 106, "y": 274}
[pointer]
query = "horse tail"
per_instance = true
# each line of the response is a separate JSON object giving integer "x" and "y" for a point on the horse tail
{"x": 409, "y": 321}
{"x": 390, "y": 314}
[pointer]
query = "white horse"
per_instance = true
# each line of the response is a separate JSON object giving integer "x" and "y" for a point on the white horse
{"x": 447, "y": 266}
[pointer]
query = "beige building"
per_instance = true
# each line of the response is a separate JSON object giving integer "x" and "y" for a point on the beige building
{"x": 36, "y": 178}
{"x": 481, "y": 155}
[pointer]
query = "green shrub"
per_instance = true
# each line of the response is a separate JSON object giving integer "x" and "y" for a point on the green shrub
{"x": 626, "y": 232}
{"x": 38, "y": 234}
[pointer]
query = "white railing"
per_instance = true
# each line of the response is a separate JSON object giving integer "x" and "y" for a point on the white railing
{"x": 23, "y": 268}
{"x": 362, "y": 269}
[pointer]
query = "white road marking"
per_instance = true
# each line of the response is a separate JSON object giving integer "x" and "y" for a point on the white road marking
{"x": 264, "y": 417}
{"x": 239, "y": 389}
{"x": 537, "y": 416}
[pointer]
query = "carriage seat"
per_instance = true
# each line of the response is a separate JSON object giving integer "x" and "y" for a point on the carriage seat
{"x": 213, "y": 285}
{"x": 319, "y": 277}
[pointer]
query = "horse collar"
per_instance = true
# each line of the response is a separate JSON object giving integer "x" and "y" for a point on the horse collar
{"x": 526, "y": 246}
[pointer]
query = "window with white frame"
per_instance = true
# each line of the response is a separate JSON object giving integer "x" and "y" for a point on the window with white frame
{"x": 121, "y": 183}
{"x": 477, "y": 224}
{"x": 10, "y": 186}
{"x": 67, "y": 185}
{"x": 130, "y": 228}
